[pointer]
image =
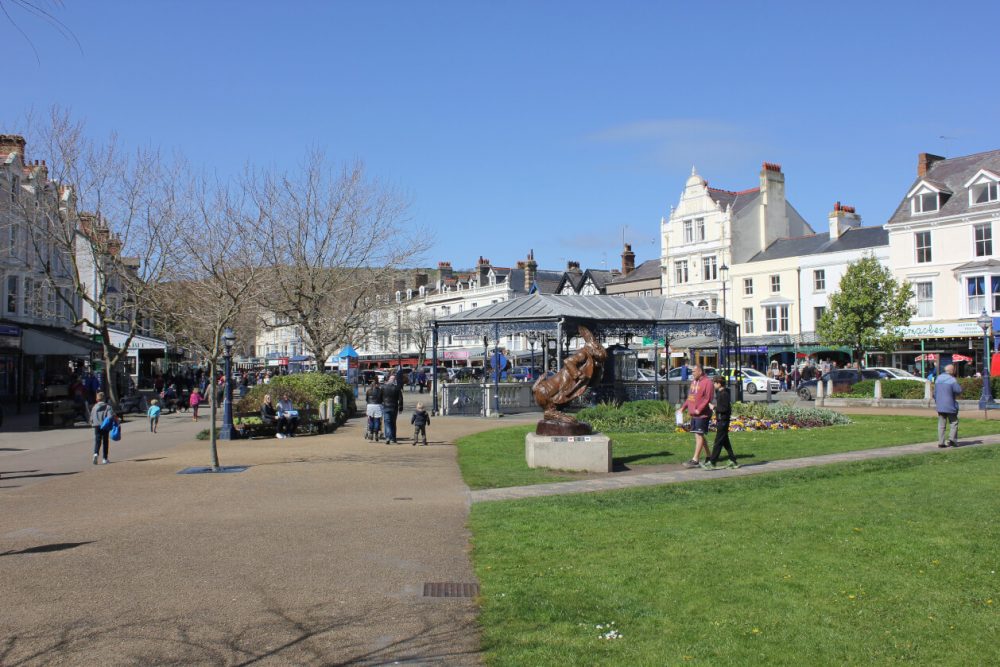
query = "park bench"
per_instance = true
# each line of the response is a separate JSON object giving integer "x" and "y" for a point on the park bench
{"x": 309, "y": 424}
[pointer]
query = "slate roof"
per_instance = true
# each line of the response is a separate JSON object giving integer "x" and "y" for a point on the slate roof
{"x": 952, "y": 174}
{"x": 648, "y": 270}
{"x": 600, "y": 307}
{"x": 857, "y": 238}
{"x": 738, "y": 200}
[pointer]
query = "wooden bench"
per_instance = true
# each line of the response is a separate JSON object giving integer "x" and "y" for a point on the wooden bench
{"x": 309, "y": 424}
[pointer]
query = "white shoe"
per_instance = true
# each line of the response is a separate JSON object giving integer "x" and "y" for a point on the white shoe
{"x": 105, "y": 461}
{"x": 279, "y": 436}
{"x": 95, "y": 459}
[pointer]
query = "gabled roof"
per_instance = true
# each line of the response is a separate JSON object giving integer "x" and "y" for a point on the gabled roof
{"x": 951, "y": 175}
{"x": 857, "y": 238}
{"x": 648, "y": 270}
{"x": 738, "y": 200}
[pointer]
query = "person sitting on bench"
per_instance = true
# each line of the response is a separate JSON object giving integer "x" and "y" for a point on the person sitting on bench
{"x": 288, "y": 418}
{"x": 268, "y": 413}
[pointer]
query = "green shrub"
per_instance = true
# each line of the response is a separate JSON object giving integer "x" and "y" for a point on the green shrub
{"x": 630, "y": 417}
{"x": 890, "y": 389}
{"x": 790, "y": 414}
{"x": 304, "y": 389}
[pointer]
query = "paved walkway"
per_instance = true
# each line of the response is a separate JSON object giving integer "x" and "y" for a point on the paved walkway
{"x": 628, "y": 481}
{"x": 317, "y": 554}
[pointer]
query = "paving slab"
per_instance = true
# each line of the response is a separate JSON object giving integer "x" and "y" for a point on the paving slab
{"x": 316, "y": 554}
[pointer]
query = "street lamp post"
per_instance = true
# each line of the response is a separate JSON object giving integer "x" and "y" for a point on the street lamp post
{"x": 532, "y": 339}
{"x": 723, "y": 270}
{"x": 227, "y": 432}
{"x": 986, "y": 398}
{"x": 399, "y": 349}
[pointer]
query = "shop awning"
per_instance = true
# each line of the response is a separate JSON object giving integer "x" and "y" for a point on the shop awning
{"x": 54, "y": 342}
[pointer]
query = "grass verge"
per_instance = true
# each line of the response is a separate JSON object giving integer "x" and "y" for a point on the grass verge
{"x": 495, "y": 459}
{"x": 893, "y": 560}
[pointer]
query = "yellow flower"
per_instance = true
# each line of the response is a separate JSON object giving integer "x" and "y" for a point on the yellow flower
{"x": 756, "y": 631}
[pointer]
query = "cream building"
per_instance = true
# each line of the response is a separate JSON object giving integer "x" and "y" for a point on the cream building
{"x": 941, "y": 241}
{"x": 710, "y": 230}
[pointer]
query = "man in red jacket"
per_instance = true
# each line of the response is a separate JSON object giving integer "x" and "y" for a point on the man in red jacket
{"x": 700, "y": 396}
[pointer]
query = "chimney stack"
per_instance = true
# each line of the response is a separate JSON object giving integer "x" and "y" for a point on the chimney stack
{"x": 925, "y": 161}
{"x": 773, "y": 211}
{"x": 530, "y": 271}
{"x": 841, "y": 219}
{"x": 484, "y": 271}
{"x": 10, "y": 143}
{"x": 419, "y": 280}
{"x": 444, "y": 270}
{"x": 573, "y": 267}
{"x": 628, "y": 260}
{"x": 399, "y": 285}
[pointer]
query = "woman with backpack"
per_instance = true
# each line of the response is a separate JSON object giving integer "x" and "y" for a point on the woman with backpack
{"x": 103, "y": 419}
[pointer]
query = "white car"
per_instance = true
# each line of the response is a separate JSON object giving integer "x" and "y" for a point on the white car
{"x": 754, "y": 381}
{"x": 896, "y": 373}
{"x": 644, "y": 375}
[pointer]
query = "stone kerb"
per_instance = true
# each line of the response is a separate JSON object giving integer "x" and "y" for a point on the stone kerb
{"x": 580, "y": 453}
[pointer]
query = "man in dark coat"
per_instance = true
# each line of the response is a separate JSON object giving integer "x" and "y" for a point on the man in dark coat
{"x": 392, "y": 404}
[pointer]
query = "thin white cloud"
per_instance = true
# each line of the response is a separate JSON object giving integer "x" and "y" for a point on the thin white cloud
{"x": 681, "y": 142}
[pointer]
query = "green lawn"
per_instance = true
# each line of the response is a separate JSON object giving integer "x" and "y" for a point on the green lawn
{"x": 876, "y": 562}
{"x": 495, "y": 458}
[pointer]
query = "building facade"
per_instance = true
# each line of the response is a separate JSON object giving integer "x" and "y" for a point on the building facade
{"x": 941, "y": 242}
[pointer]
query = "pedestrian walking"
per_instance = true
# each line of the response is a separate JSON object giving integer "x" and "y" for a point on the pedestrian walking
{"x": 103, "y": 419}
{"x": 697, "y": 406}
{"x": 420, "y": 420}
{"x": 154, "y": 414}
{"x": 373, "y": 410}
{"x": 723, "y": 411}
{"x": 195, "y": 400}
{"x": 392, "y": 404}
{"x": 946, "y": 392}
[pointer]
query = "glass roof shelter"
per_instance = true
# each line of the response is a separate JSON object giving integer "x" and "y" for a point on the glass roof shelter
{"x": 558, "y": 316}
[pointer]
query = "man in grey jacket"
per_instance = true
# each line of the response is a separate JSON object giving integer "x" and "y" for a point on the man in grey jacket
{"x": 946, "y": 391}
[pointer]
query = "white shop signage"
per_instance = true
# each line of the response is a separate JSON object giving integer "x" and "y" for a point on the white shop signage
{"x": 941, "y": 330}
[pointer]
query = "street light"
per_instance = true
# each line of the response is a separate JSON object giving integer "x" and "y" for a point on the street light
{"x": 723, "y": 270}
{"x": 532, "y": 339}
{"x": 986, "y": 398}
{"x": 227, "y": 432}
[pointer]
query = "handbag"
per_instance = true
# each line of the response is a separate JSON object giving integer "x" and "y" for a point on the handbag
{"x": 107, "y": 424}
{"x": 116, "y": 432}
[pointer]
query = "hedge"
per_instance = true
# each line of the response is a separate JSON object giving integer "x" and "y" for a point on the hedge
{"x": 303, "y": 389}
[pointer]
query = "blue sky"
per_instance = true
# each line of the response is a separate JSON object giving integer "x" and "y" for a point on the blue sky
{"x": 555, "y": 126}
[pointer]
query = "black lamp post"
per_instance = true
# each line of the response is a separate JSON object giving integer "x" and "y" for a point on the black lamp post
{"x": 986, "y": 398}
{"x": 227, "y": 432}
{"x": 532, "y": 339}
{"x": 723, "y": 270}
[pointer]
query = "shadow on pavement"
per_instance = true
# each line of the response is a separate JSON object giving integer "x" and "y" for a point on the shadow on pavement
{"x": 13, "y": 474}
{"x": 322, "y": 634}
{"x": 45, "y": 548}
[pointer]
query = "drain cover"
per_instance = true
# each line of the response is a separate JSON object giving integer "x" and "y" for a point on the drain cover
{"x": 450, "y": 589}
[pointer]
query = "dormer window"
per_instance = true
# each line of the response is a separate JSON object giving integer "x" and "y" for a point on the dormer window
{"x": 924, "y": 202}
{"x": 983, "y": 188}
{"x": 423, "y": 290}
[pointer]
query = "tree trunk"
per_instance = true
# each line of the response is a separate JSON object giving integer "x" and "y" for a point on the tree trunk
{"x": 212, "y": 433}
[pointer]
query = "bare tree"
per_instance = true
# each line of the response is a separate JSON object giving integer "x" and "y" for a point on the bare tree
{"x": 100, "y": 265}
{"x": 214, "y": 279}
{"x": 333, "y": 240}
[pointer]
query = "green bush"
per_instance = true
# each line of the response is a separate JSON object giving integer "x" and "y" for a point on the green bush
{"x": 890, "y": 389}
{"x": 304, "y": 389}
{"x": 630, "y": 417}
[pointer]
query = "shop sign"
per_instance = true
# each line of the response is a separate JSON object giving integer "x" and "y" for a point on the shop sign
{"x": 941, "y": 330}
{"x": 649, "y": 342}
{"x": 8, "y": 330}
{"x": 456, "y": 354}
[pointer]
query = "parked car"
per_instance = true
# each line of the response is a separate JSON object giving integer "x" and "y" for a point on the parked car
{"x": 646, "y": 375}
{"x": 465, "y": 374}
{"x": 524, "y": 373}
{"x": 895, "y": 374}
{"x": 675, "y": 373}
{"x": 843, "y": 379}
{"x": 753, "y": 380}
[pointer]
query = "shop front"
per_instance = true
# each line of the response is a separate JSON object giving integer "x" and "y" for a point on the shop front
{"x": 928, "y": 348}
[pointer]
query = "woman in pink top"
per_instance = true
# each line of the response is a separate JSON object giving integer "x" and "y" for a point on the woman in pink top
{"x": 697, "y": 406}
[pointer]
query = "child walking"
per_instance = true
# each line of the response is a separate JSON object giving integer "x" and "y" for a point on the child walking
{"x": 195, "y": 402}
{"x": 723, "y": 411}
{"x": 154, "y": 414}
{"x": 420, "y": 421}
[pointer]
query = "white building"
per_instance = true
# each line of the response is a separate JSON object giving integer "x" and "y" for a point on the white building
{"x": 941, "y": 241}
{"x": 710, "y": 229}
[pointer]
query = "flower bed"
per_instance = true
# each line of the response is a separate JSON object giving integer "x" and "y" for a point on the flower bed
{"x": 657, "y": 416}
